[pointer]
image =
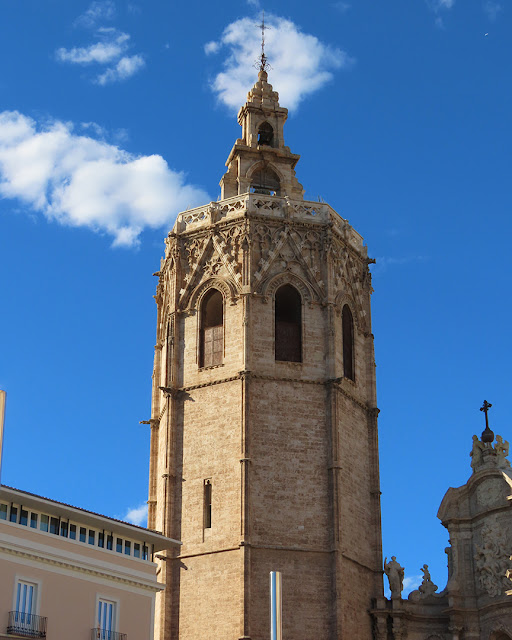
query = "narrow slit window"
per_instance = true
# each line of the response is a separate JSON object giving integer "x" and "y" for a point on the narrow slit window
{"x": 288, "y": 324}
{"x": 211, "y": 348}
{"x": 207, "y": 504}
{"x": 347, "y": 327}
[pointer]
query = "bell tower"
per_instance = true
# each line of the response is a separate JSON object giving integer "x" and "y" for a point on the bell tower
{"x": 264, "y": 421}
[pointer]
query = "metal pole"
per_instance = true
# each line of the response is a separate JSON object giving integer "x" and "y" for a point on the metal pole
{"x": 2, "y": 416}
{"x": 276, "y": 606}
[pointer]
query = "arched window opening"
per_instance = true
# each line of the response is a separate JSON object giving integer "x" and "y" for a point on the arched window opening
{"x": 347, "y": 327}
{"x": 266, "y": 181}
{"x": 288, "y": 327}
{"x": 211, "y": 347}
{"x": 266, "y": 134}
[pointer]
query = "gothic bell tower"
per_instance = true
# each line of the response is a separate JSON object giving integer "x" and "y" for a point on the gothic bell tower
{"x": 264, "y": 420}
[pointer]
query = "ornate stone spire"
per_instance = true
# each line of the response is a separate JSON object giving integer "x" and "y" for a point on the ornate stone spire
{"x": 260, "y": 161}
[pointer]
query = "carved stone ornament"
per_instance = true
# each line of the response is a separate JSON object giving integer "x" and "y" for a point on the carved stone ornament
{"x": 492, "y": 561}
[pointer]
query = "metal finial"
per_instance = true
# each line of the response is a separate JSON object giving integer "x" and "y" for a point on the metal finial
{"x": 487, "y": 434}
{"x": 262, "y": 62}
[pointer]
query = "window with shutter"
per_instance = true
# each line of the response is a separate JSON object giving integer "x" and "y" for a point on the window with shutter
{"x": 211, "y": 347}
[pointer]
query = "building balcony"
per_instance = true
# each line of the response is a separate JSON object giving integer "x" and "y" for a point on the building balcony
{"x": 26, "y": 625}
{"x": 105, "y": 634}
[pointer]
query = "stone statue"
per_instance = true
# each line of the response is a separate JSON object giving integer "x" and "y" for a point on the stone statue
{"x": 501, "y": 448}
{"x": 395, "y": 574}
{"x": 427, "y": 587}
{"x": 477, "y": 453}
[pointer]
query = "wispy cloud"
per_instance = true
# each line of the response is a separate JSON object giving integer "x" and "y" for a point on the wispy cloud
{"x": 492, "y": 9}
{"x": 110, "y": 50}
{"x": 96, "y": 13}
{"x": 341, "y": 6}
{"x": 137, "y": 515}
{"x": 112, "y": 47}
{"x": 301, "y": 63}
{"x": 438, "y": 7}
{"x": 123, "y": 69}
{"x": 80, "y": 181}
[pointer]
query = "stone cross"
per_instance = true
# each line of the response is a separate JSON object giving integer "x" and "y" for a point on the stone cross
{"x": 487, "y": 434}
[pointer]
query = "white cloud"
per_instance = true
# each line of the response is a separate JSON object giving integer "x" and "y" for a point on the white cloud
{"x": 138, "y": 515}
{"x": 79, "y": 181}
{"x": 301, "y": 63}
{"x": 492, "y": 9}
{"x": 211, "y": 47}
{"x": 99, "y": 52}
{"x": 123, "y": 69}
{"x": 96, "y": 12}
{"x": 109, "y": 51}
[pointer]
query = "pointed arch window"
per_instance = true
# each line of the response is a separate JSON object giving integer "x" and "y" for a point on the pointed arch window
{"x": 266, "y": 134}
{"x": 288, "y": 324}
{"x": 347, "y": 327}
{"x": 266, "y": 181}
{"x": 211, "y": 333}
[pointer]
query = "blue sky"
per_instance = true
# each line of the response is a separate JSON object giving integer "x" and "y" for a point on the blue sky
{"x": 114, "y": 116}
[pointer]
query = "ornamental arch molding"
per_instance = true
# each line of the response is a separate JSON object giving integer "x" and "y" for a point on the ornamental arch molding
{"x": 260, "y": 166}
{"x": 226, "y": 287}
{"x": 500, "y": 633}
{"x": 343, "y": 299}
{"x": 270, "y": 287}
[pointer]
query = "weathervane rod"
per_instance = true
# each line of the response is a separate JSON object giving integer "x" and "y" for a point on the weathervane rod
{"x": 263, "y": 64}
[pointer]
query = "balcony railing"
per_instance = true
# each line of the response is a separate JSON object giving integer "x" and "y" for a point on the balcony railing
{"x": 105, "y": 634}
{"x": 26, "y": 624}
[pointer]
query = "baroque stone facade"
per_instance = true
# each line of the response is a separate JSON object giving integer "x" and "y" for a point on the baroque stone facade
{"x": 476, "y": 602}
{"x": 264, "y": 421}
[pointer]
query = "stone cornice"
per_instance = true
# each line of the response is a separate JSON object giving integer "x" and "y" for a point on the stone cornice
{"x": 335, "y": 383}
{"x": 80, "y": 568}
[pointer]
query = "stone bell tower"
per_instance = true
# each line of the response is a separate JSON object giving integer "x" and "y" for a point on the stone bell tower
{"x": 264, "y": 420}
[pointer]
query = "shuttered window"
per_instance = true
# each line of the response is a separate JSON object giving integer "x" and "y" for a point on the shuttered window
{"x": 211, "y": 347}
